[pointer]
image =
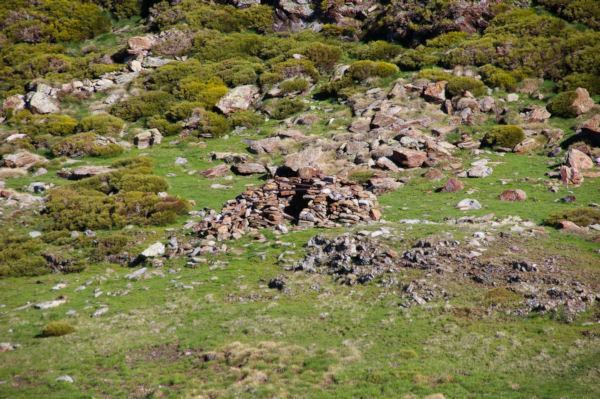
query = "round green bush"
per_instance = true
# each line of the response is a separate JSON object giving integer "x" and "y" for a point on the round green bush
{"x": 57, "y": 329}
{"x": 457, "y": 85}
{"x": 504, "y": 136}
{"x": 562, "y": 105}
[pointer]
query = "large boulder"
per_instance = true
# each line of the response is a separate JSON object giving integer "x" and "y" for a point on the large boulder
{"x": 591, "y": 129}
{"x": 303, "y": 159}
{"x": 578, "y": 160}
{"x": 240, "y": 98}
{"x": 41, "y": 103}
{"x": 582, "y": 103}
{"x": 452, "y": 185}
{"x": 249, "y": 168}
{"x": 267, "y": 145}
{"x": 409, "y": 158}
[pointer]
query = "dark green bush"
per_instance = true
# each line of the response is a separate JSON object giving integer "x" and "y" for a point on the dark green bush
{"x": 375, "y": 51}
{"x": 281, "y": 109}
{"x": 562, "y": 105}
{"x": 19, "y": 256}
{"x": 214, "y": 124}
{"x": 459, "y": 84}
{"x": 506, "y": 136}
{"x": 57, "y": 329}
{"x": 109, "y": 245}
{"x": 147, "y": 104}
{"x": 581, "y": 216}
{"x": 418, "y": 58}
{"x": 138, "y": 182}
{"x": 81, "y": 210}
{"x": 165, "y": 127}
{"x": 588, "y": 81}
{"x": 102, "y": 124}
{"x": 323, "y": 56}
{"x": 295, "y": 68}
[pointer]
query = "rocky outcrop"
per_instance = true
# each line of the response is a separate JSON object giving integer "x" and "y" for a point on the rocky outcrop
{"x": 578, "y": 160}
{"x": 249, "y": 168}
{"x": 22, "y": 159}
{"x": 308, "y": 158}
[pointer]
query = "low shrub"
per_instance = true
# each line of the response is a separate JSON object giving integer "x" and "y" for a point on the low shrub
{"x": 361, "y": 70}
{"x": 504, "y": 136}
{"x": 581, "y": 216}
{"x": 101, "y": 124}
{"x": 588, "y": 81}
{"x": 323, "y": 56}
{"x": 214, "y": 124}
{"x": 147, "y": 104}
{"x": 295, "y": 68}
{"x": 19, "y": 256}
{"x": 58, "y": 125}
{"x": 459, "y": 84}
{"x": 281, "y": 109}
{"x": 57, "y": 329}
{"x": 294, "y": 85}
{"x": 246, "y": 119}
{"x": 562, "y": 105}
{"x": 83, "y": 144}
{"x": 165, "y": 127}
{"x": 418, "y": 58}
{"x": 207, "y": 93}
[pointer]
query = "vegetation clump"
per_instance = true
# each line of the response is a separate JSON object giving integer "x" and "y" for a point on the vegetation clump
{"x": 83, "y": 144}
{"x": 57, "y": 329}
{"x": 562, "y": 105}
{"x": 506, "y": 136}
{"x": 581, "y": 216}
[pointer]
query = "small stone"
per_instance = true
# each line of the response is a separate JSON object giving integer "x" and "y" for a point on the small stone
{"x": 35, "y": 234}
{"x": 180, "y": 161}
{"x": 65, "y": 378}
{"x": 100, "y": 312}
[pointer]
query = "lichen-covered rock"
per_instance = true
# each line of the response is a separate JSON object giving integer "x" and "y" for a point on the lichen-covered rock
{"x": 240, "y": 98}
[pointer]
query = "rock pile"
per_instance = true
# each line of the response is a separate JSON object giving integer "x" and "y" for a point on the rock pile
{"x": 316, "y": 202}
{"x": 351, "y": 258}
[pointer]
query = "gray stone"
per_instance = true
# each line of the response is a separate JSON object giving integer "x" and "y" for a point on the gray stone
{"x": 239, "y": 98}
{"x": 41, "y": 103}
{"x": 156, "y": 249}
{"x": 467, "y": 204}
{"x": 65, "y": 378}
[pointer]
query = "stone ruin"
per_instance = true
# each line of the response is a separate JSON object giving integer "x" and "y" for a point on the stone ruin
{"x": 324, "y": 202}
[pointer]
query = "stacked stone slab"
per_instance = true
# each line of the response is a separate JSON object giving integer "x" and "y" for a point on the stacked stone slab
{"x": 316, "y": 202}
